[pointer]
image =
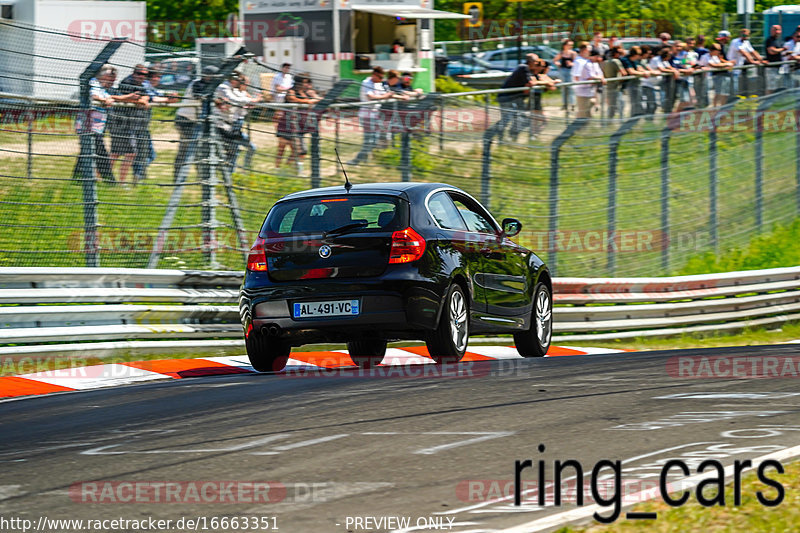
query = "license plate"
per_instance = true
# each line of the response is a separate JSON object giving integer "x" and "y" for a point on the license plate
{"x": 325, "y": 309}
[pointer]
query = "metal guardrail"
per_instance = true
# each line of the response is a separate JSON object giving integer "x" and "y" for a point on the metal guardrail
{"x": 67, "y": 305}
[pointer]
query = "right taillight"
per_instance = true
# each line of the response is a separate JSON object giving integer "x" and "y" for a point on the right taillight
{"x": 256, "y": 259}
{"x": 407, "y": 246}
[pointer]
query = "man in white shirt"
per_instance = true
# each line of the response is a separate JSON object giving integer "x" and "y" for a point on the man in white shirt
{"x": 232, "y": 105}
{"x": 372, "y": 90}
{"x": 281, "y": 83}
{"x": 586, "y": 68}
{"x": 741, "y": 53}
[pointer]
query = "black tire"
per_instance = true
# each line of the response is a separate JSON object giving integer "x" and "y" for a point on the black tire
{"x": 267, "y": 354}
{"x": 367, "y": 353}
{"x": 448, "y": 343}
{"x": 535, "y": 341}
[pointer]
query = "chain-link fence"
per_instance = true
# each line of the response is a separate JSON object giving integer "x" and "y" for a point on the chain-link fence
{"x": 184, "y": 185}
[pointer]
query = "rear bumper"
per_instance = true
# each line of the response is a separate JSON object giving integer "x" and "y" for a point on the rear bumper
{"x": 402, "y": 305}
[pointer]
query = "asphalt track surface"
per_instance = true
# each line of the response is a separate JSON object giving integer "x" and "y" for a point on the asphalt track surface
{"x": 378, "y": 447}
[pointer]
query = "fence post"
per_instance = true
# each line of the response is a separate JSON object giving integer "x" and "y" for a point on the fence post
{"x": 198, "y": 136}
{"x": 486, "y": 167}
{"x": 759, "y": 161}
{"x": 555, "y": 150}
{"x": 670, "y": 84}
{"x": 701, "y": 88}
{"x": 712, "y": 187}
{"x": 442, "y": 100}
{"x": 636, "y": 97}
{"x": 85, "y": 168}
{"x": 315, "y": 158}
{"x": 665, "y": 233}
{"x": 315, "y": 114}
{"x": 613, "y": 159}
{"x": 208, "y": 181}
{"x": 797, "y": 151}
{"x": 405, "y": 155}
{"x": 30, "y": 144}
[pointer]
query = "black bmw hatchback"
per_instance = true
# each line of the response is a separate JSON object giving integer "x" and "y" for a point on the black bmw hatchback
{"x": 390, "y": 261}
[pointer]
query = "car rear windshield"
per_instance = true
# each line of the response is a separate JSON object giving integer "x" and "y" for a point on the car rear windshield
{"x": 319, "y": 214}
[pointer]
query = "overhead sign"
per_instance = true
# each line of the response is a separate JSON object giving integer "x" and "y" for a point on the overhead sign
{"x": 475, "y": 12}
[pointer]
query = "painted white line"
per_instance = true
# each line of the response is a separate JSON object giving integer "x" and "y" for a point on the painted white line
{"x": 481, "y": 436}
{"x": 628, "y": 500}
{"x": 102, "y": 450}
{"x": 496, "y": 352}
{"x": 301, "y": 444}
{"x": 95, "y": 376}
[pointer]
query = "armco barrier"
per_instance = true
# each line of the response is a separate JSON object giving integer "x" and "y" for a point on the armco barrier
{"x": 39, "y": 306}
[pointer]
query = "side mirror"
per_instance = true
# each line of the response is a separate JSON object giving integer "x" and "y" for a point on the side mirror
{"x": 511, "y": 227}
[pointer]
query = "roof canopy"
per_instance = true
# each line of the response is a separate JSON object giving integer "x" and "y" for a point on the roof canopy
{"x": 408, "y": 12}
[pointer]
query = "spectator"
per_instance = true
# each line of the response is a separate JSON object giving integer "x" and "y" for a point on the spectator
{"x": 665, "y": 38}
{"x": 774, "y": 48}
{"x": 742, "y": 53}
{"x": 586, "y": 68}
{"x": 281, "y": 83}
{"x": 699, "y": 46}
{"x": 406, "y": 81}
{"x": 127, "y": 125}
{"x": 651, "y": 82}
{"x": 372, "y": 90}
{"x": 613, "y": 68}
{"x": 718, "y": 68}
{"x": 294, "y": 123}
{"x": 543, "y": 79}
{"x": 723, "y": 37}
{"x": 145, "y": 151}
{"x": 102, "y": 97}
{"x": 598, "y": 46}
{"x": 612, "y": 43}
{"x": 234, "y": 102}
{"x": 662, "y": 64}
{"x": 564, "y": 60}
{"x": 684, "y": 63}
{"x": 186, "y": 119}
{"x": 633, "y": 67}
{"x": 393, "y": 84}
{"x": 511, "y": 103}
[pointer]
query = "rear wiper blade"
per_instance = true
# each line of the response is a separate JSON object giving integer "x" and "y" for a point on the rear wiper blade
{"x": 345, "y": 229}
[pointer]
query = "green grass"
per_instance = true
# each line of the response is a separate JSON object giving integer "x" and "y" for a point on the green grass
{"x": 749, "y": 516}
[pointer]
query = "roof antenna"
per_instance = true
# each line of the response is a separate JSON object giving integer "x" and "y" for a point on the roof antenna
{"x": 347, "y": 184}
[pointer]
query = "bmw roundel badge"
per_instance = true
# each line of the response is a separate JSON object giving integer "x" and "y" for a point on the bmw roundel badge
{"x": 324, "y": 251}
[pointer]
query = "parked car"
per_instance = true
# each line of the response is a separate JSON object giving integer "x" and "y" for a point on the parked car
{"x": 177, "y": 73}
{"x": 469, "y": 65}
{"x": 507, "y": 59}
{"x": 390, "y": 261}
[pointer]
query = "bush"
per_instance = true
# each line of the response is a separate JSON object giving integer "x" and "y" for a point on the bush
{"x": 772, "y": 250}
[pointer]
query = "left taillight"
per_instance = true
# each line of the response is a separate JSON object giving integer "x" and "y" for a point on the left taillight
{"x": 256, "y": 258}
{"x": 407, "y": 246}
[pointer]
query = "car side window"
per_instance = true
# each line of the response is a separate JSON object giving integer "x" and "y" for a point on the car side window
{"x": 444, "y": 211}
{"x": 475, "y": 220}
